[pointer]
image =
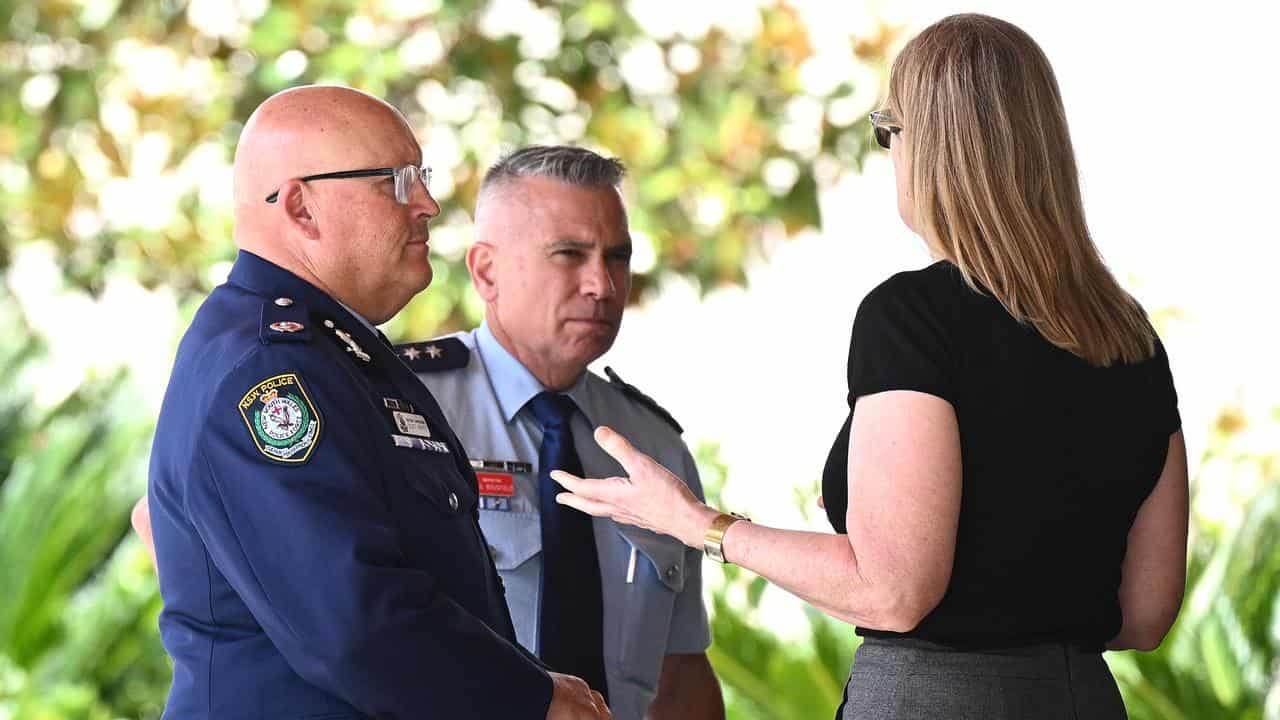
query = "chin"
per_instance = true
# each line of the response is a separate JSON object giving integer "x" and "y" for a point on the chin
{"x": 416, "y": 284}
{"x": 420, "y": 281}
{"x": 422, "y": 274}
{"x": 584, "y": 346}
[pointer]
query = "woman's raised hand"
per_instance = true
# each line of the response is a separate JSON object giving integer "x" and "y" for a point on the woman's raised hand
{"x": 650, "y": 496}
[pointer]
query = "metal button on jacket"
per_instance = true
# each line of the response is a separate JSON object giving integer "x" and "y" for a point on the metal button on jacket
{"x": 453, "y": 501}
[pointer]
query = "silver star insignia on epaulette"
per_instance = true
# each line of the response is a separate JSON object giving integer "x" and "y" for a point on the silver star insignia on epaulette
{"x": 412, "y": 353}
{"x": 434, "y": 352}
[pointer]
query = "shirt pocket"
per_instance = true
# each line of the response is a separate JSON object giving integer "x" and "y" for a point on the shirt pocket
{"x": 513, "y": 537}
{"x": 515, "y": 543}
{"x": 665, "y": 556}
{"x": 649, "y": 602}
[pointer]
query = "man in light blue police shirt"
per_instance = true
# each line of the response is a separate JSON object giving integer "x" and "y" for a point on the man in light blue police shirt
{"x": 594, "y": 599}
{"x": 314, "y": 516}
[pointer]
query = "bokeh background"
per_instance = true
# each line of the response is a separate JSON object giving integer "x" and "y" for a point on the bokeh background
{"x": 761, "y": 215}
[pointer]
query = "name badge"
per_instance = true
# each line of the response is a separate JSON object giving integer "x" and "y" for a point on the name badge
{"x": 496, "y": 484}
{"x": 412, "y": 424}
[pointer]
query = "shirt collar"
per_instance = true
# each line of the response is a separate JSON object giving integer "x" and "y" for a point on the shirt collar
{"x": 263, "y": 277}
{"x": 513, "y": 383}
{"x": 368, "y": 325}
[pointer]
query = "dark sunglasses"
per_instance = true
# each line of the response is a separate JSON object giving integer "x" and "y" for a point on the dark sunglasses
{"x": 884, "y": 127}
{"x": 405, "y": 177}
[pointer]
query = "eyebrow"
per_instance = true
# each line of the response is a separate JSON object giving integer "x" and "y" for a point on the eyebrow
{"x": 568, "y": 243}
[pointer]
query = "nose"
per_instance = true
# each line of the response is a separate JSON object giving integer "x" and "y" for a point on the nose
{"x": 422, "y": 202}
{"x": 597, "y": 283}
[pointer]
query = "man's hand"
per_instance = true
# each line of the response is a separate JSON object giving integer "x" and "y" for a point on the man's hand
{"x": 141, "y": 520}
{"x": 572, "y": 699}
{"x": 687, "y": 690}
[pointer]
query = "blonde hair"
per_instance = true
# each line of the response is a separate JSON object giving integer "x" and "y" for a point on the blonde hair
{"x": 995, "y": 189}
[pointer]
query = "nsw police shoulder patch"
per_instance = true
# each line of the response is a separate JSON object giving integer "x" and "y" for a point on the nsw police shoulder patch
{"x": 281, "y": 418}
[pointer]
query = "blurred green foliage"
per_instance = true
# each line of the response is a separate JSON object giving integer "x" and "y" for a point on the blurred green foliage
{"x": 1222, "y": 657}
{"x": 763, "y": 675}
{"x": 78, "y": 610}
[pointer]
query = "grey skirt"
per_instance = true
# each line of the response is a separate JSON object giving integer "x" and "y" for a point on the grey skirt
{"x": 901, "y": 679}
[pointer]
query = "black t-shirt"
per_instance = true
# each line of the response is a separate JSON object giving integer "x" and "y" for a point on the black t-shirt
{"x": 1057, "y": 456}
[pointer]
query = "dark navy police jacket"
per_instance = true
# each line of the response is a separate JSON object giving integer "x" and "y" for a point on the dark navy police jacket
{"x": 316, "y": 527}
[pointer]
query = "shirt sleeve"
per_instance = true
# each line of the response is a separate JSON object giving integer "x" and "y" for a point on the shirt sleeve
{"x": 690, "y": 631}
{"x": 1169, "y": 419}
{"x": 899, "y": 343}
{"x": 313, "y": 551}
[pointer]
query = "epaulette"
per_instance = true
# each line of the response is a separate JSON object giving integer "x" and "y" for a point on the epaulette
{"x": 284, "y": 320}
{"x": 634, "y": 393}
{"x": 447, "y": 353}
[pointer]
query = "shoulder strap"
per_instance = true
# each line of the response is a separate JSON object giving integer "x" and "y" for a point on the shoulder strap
{"x": 446, "y": 353}
{"x": 284, "y": 320}
{"x": 634, "y": 393}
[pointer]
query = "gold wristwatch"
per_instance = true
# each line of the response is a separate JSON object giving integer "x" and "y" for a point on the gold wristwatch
{"x": 713, "y": 541}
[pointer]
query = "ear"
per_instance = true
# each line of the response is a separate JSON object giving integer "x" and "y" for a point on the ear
{"x": 480, "y": 263}
{"x": 296, "y": 203}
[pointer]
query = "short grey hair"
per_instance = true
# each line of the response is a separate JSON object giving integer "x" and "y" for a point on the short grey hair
{"x": 573, "y": 165}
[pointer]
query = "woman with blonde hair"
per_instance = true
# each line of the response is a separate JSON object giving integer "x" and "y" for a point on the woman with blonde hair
{"x": 1009, "y": 492}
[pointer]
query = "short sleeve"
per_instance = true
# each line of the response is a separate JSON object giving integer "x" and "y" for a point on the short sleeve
{"x": 900, "y": 341}
{"x": 1166, "y": 402}
{"x": 690, "y": 632}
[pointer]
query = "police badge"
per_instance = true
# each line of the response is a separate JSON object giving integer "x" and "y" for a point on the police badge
{"x": 281, "y": 418}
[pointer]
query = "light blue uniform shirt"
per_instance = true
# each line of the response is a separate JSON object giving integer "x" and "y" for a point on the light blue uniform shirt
{"x": 652, "y": 584}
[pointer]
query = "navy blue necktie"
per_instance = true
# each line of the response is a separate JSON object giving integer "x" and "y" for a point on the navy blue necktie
{"x": 571, "y": 621}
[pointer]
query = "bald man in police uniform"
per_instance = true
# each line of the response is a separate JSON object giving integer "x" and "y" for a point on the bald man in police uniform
{"x": 616, "y": 605}
{"x": 314, "y": 515}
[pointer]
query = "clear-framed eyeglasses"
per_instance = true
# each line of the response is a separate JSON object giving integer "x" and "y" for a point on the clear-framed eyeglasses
{"x": 405, "y": 177}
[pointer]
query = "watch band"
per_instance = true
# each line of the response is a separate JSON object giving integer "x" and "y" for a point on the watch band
{"x": 713, "y": 541}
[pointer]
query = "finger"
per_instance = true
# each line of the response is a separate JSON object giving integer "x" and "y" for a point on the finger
{"x": 140, "y": 517}
{"x": 821, "y": 504}
{"x": 586, "y": 505}
{"x": 601, "y": 489}
{"x": 141, "y": 520}
{"x": 579, "y": 685}
{"x": 573, "y": 483}
{"x": 620, "y": 449}
{"x": 601, "y": 708}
